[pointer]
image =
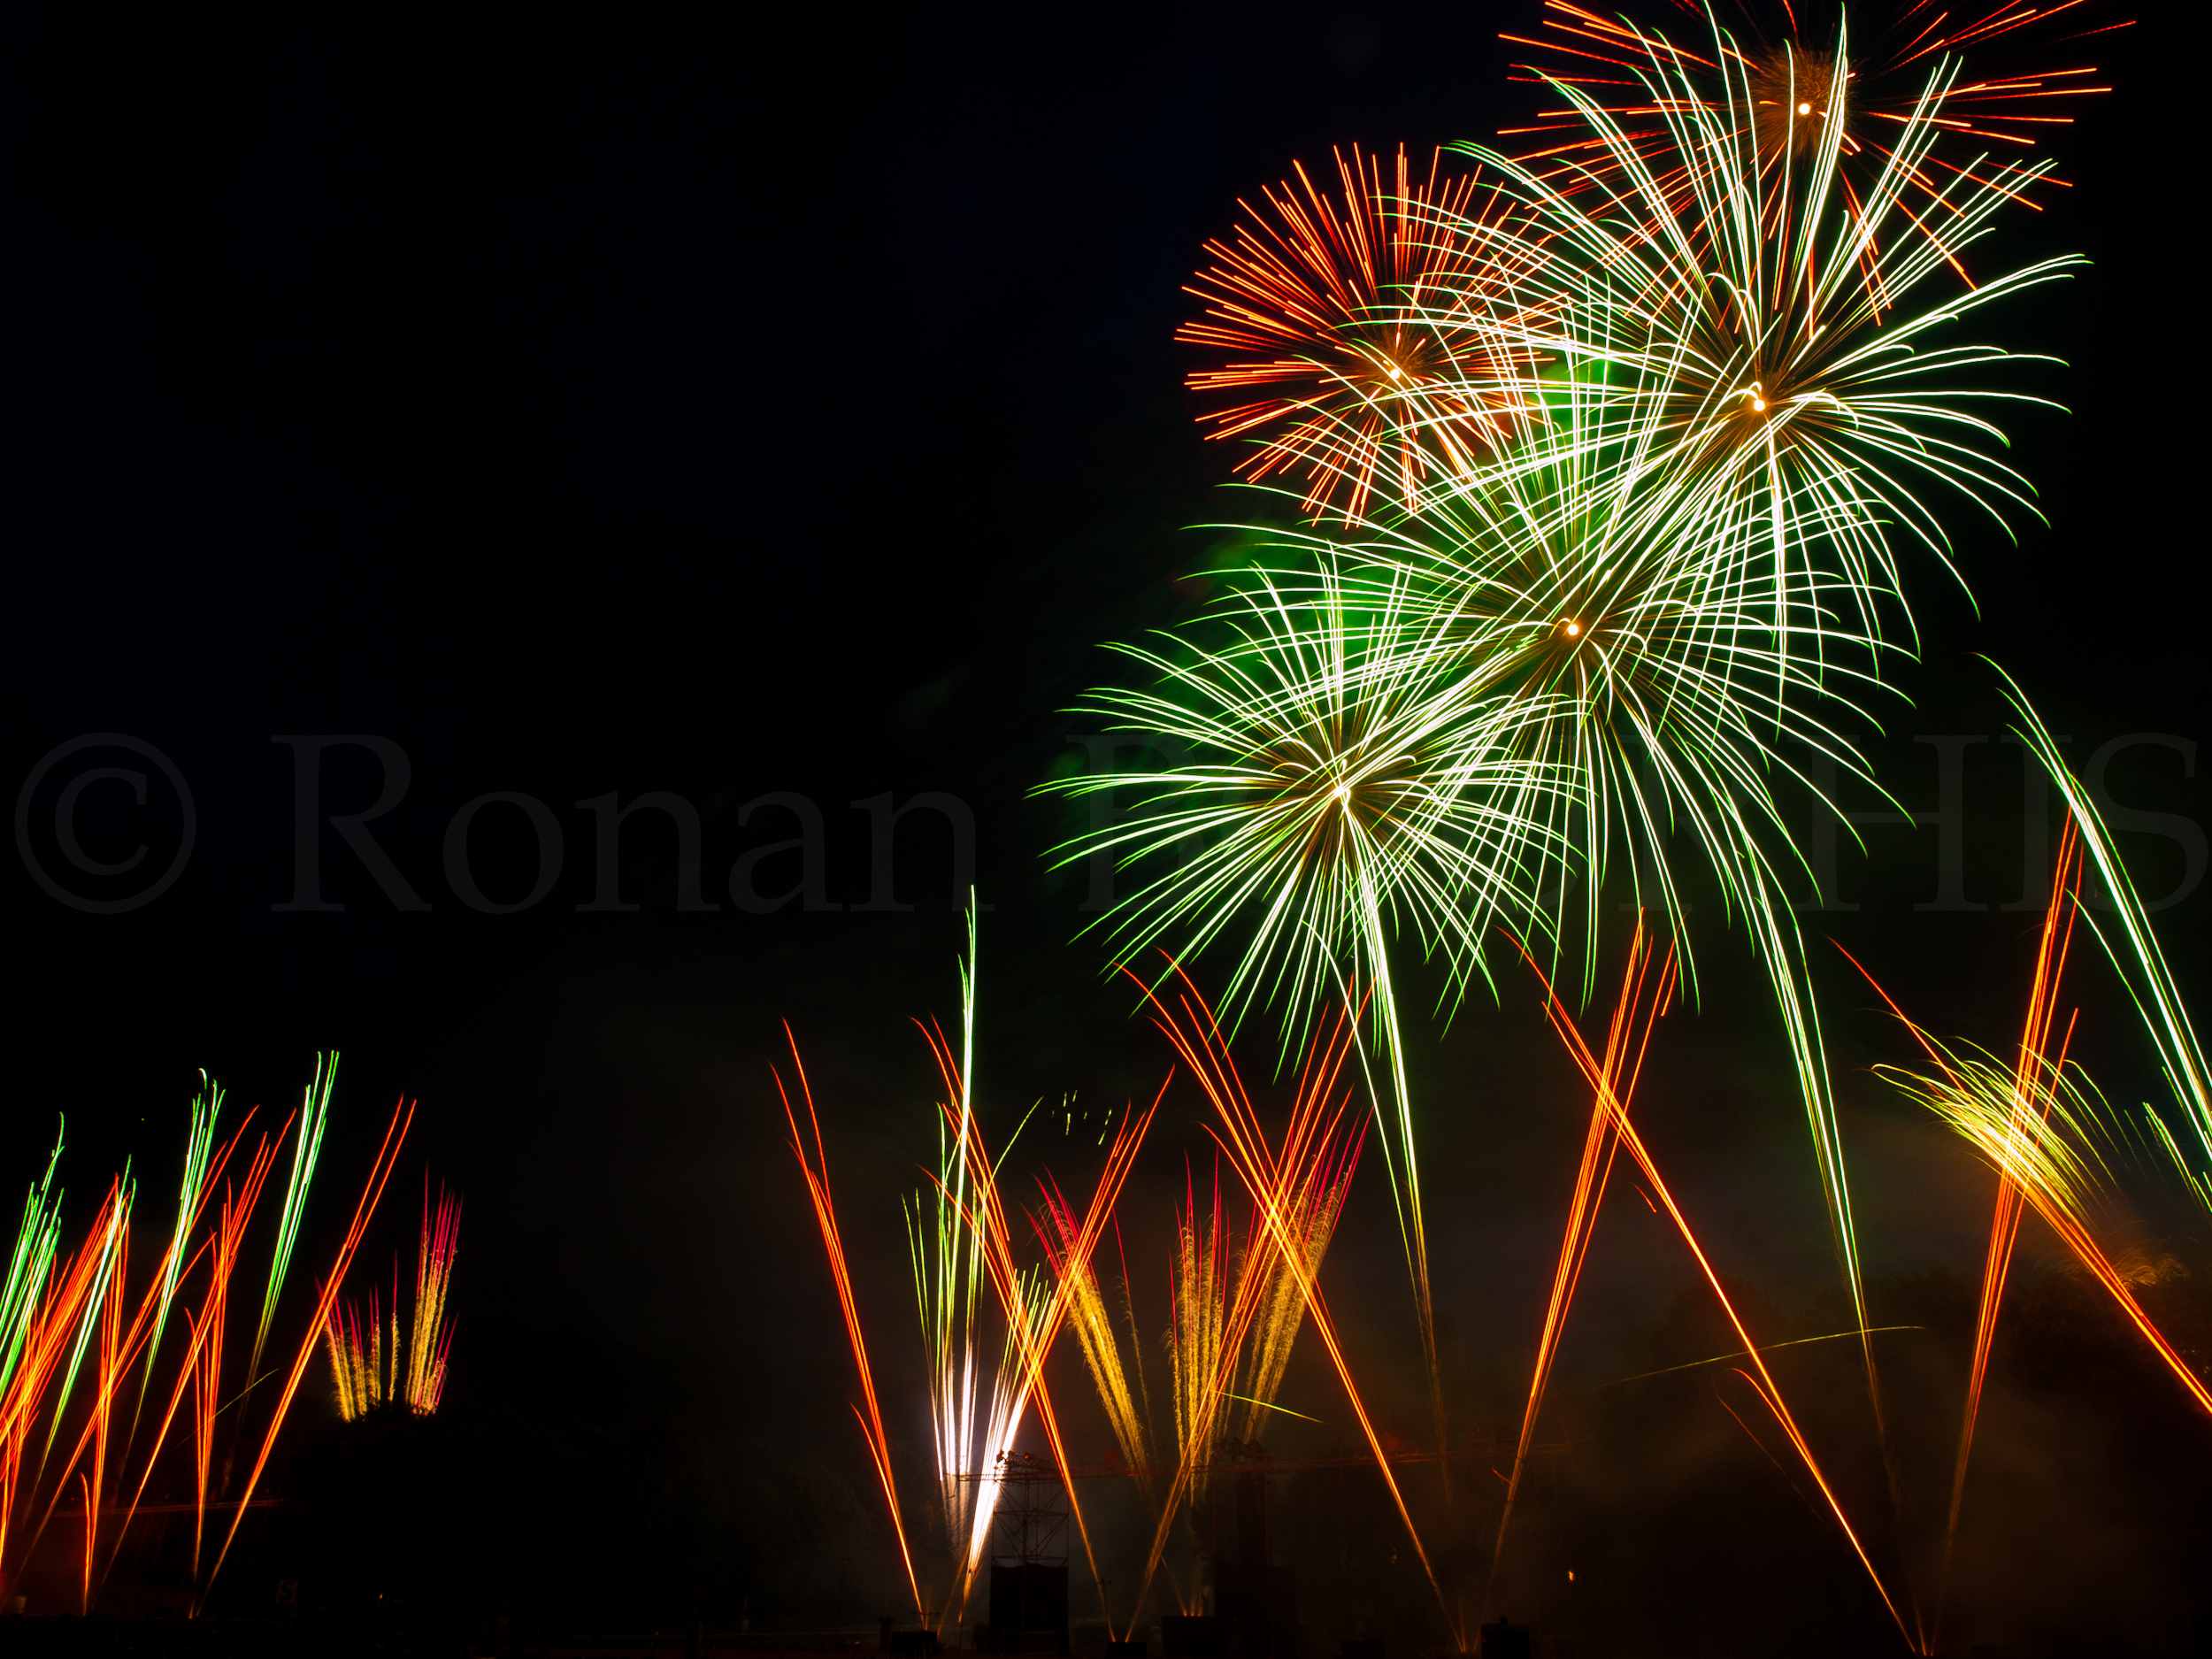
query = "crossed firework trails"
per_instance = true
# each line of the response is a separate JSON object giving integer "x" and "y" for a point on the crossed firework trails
{"x": 1609, "y": 1130}
{"x": 81, "y": 1313}
{"x": 2013, "y": 1129}
{"x": 815, "y": 1170}
{"x": 1032, "y": 1342}
{"x": 1031, "y": 1329}
{"x": 1278, "y": 1176}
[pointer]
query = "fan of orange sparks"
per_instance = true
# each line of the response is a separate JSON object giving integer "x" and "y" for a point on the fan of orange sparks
{"x": 1342, "y": 338}
{"x": 2022, "y": 74}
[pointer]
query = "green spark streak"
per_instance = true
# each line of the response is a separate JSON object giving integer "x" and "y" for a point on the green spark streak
{"x": 1832, "y": 1336}
{"x": 37, "y": 1236}
{"x": 314, "y": 1118}
{"x": 1286, "y": 1410}
{"x": 198, "y": 1147}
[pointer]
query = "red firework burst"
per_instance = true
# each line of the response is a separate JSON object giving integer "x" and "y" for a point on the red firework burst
{"x": 2021, "y": 77}
{"x": 1344, "y": 336}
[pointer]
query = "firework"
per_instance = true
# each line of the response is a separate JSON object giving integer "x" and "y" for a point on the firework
{"x": 430, "y": 1339}
{"x": 198, "y": 1146}
{"x": 1287, "y": 1178}
{"x": 948, "y": 1257}
{"x": 1762, "y": 1383}
{"x": 1627, "y": 1038}
{"x": 204, "y": 1362}
{"x": 372, "y": 1194}
{"x": 1632, "y": 620}
{"x": 1338, "y": 791}
{"x": 1034, "y": 1307}
{"x": 368, "y": 1362}
{"x": 815, "y": 1167}
{"x": 2052, "y": 1152}
{"x": 1321, "y": 317}
{"x": 314, "y": 1115}
{"x": 68, "y": 1308}
{"x": 2028, "y": 81}
{"x": 2132, "y": 946}
{"x": 1060, "y": 1231}
{"x": 1195, "y": 1330}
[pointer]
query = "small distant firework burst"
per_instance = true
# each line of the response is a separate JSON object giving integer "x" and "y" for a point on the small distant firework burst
{"x": 370, "y": 1364}
{"x": 1329, "y": 353}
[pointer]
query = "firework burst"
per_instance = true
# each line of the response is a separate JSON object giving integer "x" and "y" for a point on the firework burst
{"x": 1329, "y": 351}
{"x": 2023, "y": 76}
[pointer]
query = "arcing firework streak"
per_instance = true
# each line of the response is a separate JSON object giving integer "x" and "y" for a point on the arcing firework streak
{"x": 815, "y": 1167}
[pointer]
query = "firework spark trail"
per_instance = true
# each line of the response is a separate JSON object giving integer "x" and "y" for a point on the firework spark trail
{"x": 1197, "y": 1286}
{"x": 431, "y": 1335}
{"x": 192, "y": 1196}
{"x": 815, "y": 1170}
{"x": 1282, "y": 1308}
{"x": 2133, "y": 949}
{"x": 1279, "y": 1178}
{"x": 357, "y": 1361}
{"x": 2049, "y": 1152}
{"x": 118, "y": 1351}
{"x": 1600, "y": 56}
{"x": 69, "y": 1302}
{"x": 111, "y": 1229}
{"x": 314, "y": 1117}
{"x": 1769, "y": 1393}
{"x": 1033, "y": 1319}
{"x": 1094, "y": 1331}
{"x": 1627, "y": 1038}
{"x": 2032, "y": 1060}
{"x": 203, "y": 1366}
{"x": 113, "y": 1361}
{"x": 37, "y": 1238}
{"x": 1318, "y": 303}
{"x": 372, "y": 1193}
{"x": 2004, "y": 1228}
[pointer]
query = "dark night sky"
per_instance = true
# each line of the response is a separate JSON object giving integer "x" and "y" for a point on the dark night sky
{"x": 747, "y": 401}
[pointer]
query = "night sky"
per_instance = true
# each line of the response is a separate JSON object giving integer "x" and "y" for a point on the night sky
{"x": 753, "y": 403}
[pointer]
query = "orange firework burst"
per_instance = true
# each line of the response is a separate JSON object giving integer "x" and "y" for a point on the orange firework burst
{"x": 2020, "y": 77}
{"x": 1336, "y": 344}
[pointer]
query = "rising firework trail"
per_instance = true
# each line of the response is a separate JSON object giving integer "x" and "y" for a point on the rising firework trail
{"x": 1644, "y": 998}
{"x": 1762, "y": 1384}
{"x": 1287, "y": 1178}
{"x": 815, "y": 1166}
